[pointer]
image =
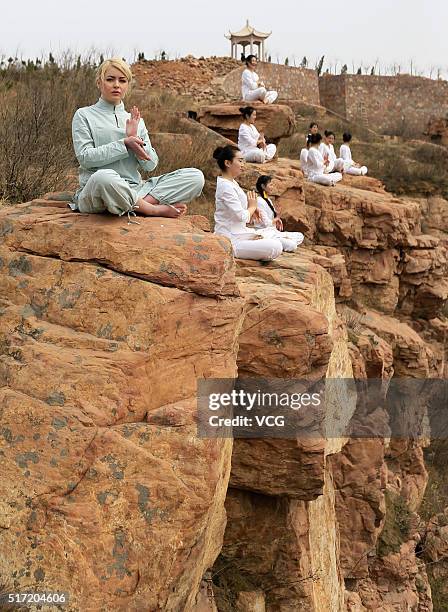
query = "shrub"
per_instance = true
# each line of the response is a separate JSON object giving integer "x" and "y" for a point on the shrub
{"x": 36, "y": 110}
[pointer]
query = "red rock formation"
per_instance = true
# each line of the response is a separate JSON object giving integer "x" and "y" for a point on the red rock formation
{"x": 106, "y": 491}
{"x": 275, "y": 120}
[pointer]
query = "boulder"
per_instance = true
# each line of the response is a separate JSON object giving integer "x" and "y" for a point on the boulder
{"x": 160, "y": 250}
{"x": 275, "y": 120}
{"x": 106, "y": 490}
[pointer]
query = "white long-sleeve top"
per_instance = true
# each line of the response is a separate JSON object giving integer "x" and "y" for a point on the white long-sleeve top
{"x": 304, "y": 161}
{"x": 266, "y": 214}
{"x": 327, "y": 149}
{"x": 231, "y": 212}
{"x": 346, "y": 153}
{"x": 249, "y": 81}
{"x": 248, "y": 136}
{"x": 315, "y": 162}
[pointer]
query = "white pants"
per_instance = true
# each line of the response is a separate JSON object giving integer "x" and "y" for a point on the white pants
{"x": 357, "y": 171}
{"x": 264, "y": 249}
{"x": 269, "y": 97}
{"x": 326, "y": 179}
{"x": 337, "y": 165}
{"x": 290, "y": 240}
{"x": 259, "y": 156}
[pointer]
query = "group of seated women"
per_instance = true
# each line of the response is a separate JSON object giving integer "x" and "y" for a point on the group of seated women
{"x": 112, "y": 146}
{"x": 250, "y": 221}
{"x": 318, "y": 158}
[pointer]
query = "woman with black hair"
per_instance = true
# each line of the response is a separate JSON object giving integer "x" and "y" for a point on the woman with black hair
{"x": 269, "y": 223}
{"x": 351, "y": 166}
{"x": 327, "y": 150}
{"x": 251, "y": 142}
{"x": 316, "y": 165}
{"x": 313, "y": 129}
{"x": 234, "y": 210}
{"x": 252, "y": 88}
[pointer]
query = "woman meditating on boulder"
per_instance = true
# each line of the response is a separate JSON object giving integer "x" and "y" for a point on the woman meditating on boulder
{"x": 351, "y": 167}
{"x": 269, "y": 223}
{"x": 251, "y": 87}
{"x": 234, "y": 210}
{"x": 316, "y": 164}
{"x": 251, "y": 142}
{"x": 112, "y": 145}
{"x": 326, "y": 148}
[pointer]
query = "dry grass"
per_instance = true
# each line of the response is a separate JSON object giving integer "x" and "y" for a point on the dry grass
{"x": 36, "y": 109}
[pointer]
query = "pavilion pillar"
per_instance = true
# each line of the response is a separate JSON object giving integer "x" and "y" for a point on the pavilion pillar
{"x": 251, "y": 45}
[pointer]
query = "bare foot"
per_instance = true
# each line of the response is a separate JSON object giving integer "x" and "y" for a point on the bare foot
{"x": 148, "y": 209}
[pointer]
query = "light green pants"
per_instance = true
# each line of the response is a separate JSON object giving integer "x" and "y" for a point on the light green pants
{"x": 107, "y": 190}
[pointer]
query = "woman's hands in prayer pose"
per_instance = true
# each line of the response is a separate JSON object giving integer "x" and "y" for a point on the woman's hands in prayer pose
{"x": 132, "y": 123}
{"x": 261, "y": 144}
{"x": 132, "y": 141}
{"x": 252, "y": 206}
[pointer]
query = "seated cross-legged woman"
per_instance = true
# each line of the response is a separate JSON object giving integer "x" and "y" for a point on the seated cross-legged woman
{"x": 269, "y": 223}
{"x": 326, "y": 148}
{"x": 112, "y": 145}
{"x": 316, "y": 164}
{"x": 351, "y": 167}
{"x": 252, "y": 88}
{"x": 234, "y": 210}
{"x": 251, "y": 142}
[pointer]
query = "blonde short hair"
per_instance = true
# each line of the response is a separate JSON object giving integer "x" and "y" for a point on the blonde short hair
{"x": 114, "y": 62}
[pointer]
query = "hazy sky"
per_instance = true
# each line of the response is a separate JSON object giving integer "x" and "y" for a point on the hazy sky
{"x": 391, "y": 31}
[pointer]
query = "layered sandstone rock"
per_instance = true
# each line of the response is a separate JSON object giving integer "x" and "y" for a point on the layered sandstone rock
{"x": 274, "y": 120}
{"x": 107, "y": 492}
{"x": 281, "y": 534}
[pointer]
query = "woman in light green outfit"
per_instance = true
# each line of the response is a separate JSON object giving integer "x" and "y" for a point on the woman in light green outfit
{"x": 111, "y": 146}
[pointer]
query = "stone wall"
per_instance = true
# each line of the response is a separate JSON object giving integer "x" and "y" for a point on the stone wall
{"x": 398, "y": 105}
{"x": 332, "y": 93}
{"x": 291, "y": 83}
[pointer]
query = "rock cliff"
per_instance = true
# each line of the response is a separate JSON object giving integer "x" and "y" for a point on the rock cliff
{"x": 107, "y": 490}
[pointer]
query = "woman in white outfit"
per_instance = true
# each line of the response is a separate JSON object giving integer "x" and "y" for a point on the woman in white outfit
{"x": 326, "y": 148}
{"x": 252, "y": 88}
{"x": 269, "y": 223}
{"x": 316, "y": 164}
{"x": 351, "y": 167}
{"x": 234, "y": 210}
{"x": 304, "y": 157}
{"x": 251, "y": 142}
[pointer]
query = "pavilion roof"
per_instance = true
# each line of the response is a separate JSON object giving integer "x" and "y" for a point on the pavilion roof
{"x": 248, "y": 30}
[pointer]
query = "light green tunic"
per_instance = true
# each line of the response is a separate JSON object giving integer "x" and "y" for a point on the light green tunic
{"x": 109, "y": 176}
{"x": 98, "y": 137}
